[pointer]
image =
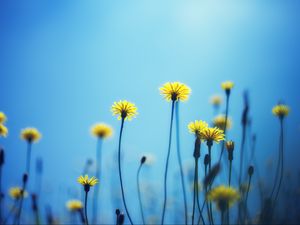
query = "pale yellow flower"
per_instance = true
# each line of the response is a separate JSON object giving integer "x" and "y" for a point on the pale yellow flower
{"x": 102, "y": 130}
{"x": 30, "y": 134}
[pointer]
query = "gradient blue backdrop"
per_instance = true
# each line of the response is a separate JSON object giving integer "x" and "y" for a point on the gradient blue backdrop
{"x": 63, "y": 64}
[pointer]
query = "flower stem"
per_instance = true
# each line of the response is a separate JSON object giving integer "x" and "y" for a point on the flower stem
{"x": 85, "y": 208}
{"x": 180, "y": 163}
{"x": 98, "y": 174}
{"x": 120, "y": 171}
{"x": 167, "y": 165}
{"x": 139, "y": 192}
{"x": 14, "y": 207}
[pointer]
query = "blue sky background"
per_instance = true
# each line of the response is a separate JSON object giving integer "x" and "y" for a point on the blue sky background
{"x": 63, "y": 64}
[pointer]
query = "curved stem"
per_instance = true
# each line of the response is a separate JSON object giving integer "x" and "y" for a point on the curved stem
{"x": 139, "y": 192}
{"x": 98, "y": 175}
{"x": 167, "y": 165}
{"x": 194, "y": 190}
{"x": 85, "y": 208}
{"x": 180, "y": 164}
{"x": 197, "y": 191}
{"x": 120, "y": 171}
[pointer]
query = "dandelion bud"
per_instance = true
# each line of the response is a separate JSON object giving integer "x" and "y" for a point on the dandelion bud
{"x": 34, "y": 202}
{"x": 206, "y": 159}
{"x": 118, "y": 212}
{"x": 230, "y": 148}
{"x": 25, "y": 178}
{"x": 1, "y": 157}
{"x": 250, "y": 170}
{"x": 143, "y": 159}
{"x": 197, "y": 148}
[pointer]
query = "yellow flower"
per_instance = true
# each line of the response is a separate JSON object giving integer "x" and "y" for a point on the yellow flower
{"x": 74, "y": 205}
{"x": 281, "y": 110}
{"x": 220, "y": 120}
{"x": 223, "y": 196}
{"x": 210, "y": 134}
{"x": 102, "y": 130}
{"x": 227, "y": 85}
{"x": 3, "y": 130}
{"x": 216, "y": 100}
{"x": 16, "y": 193}
{"x": 30, "y": 134}
{"x": 2, "y": 117}
{"x": 175, "y": 91}
{"x": 124, "y": 110}
{"x": 86, "y": 181}
{"x": 197, "y": 126}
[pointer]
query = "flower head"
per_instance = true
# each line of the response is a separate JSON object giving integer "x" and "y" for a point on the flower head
{"x": 74, "y": 205}
{"x": 2, "y": 117}
{"x": 216, "y": 100}
{"x": 197, "y": 126}
{"x": 102, "y": 130}
{"x": 30, "y": 134}
{"x": 281, "y": 110}
{"x": 229, "y": 145}
{"x": 124, "y": 110}
{"x": 211, "y": 135}
{"x": 220, "y": 121}
{"x": 86, "y": 181}
{"x": 3, "y": 130}
{"x": 223, "y": 196}
{"x": 17, "y": 192}
{"x": 227, "y": 86}
{"x": 175, "y": 91}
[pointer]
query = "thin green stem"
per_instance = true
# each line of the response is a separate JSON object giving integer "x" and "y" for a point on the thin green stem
{"x": 167, "y": 165}
{"x": 98, "y": 176}
{"x": 230, "y": 168}
{"x": 225, "y": 127}
{"x": 180, "y": 164}
{"x": 139, "y": 192}
{"x": 194, "y": 190}
{"x": 120, "y": 171}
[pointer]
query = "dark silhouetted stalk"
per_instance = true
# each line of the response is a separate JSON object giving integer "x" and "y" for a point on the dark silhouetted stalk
{"x": 2, "y": 159}
{"x": 222, "y": 217}
{"x": 25, "y": 180}
{"x": 81, "y": 214}
{"x": 209, "y": 145}
{"x": 120, "y": 170}
{"x": 139, "y": 189}
{"x": 98, "y": 175}
{"x": 206, "y": 163}
{"x": 13, "y": 209}
{"x": 167, "y": 165}
{"x": 250, "y": 173}
{"x": 86, "y": 189}
{"x": 225, "y": 127}
{"x": 180, "y": 163}
{"x": 282, "y": 161}
{"x": 35, "y": 208}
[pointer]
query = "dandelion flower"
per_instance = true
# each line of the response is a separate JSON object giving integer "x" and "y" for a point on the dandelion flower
{"x": 2, "y": 117}
{"x": 124, "y": 110}
{"x": 216, "y": 100}
{"x": 210, "y": 135}
{"x": 30, "y": 134}
{"x": 86, "y": 181}
{"x": 197, "y": 126}
{"x": 16, "y": 193}
{"x": 102, "y": 130}
{"x": 281, "y": 110}
{"x": 223, "y": 196}
{"x": 220, "y": 121}
{"x": 227, "y": 85}
{"x": 74, "y": 205}
{"x": 175, "y": 91}
{"x": 3, "y": 130}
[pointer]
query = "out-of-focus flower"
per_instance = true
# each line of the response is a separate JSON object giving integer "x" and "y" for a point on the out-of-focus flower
{"x": 150, "y": 159}
{"x": 281, "y": 110}
{"x": 223, "y": 196}
{"x": 175, "y": 91}
{"x": 227, "y": 85}
{"x": 74, "y": 205}
{"x": 220, "y": 120}
{"x": 16, "y": 193}
{"x": 30, "y": 134}
{"x": 124, "y": 110}
{"x": 3, "y": 130}
{"x": 216, "y": 100}
{"x": 2, "y": 117}
{"x": 197, "y": 126}
{"x": 102, "y": 130}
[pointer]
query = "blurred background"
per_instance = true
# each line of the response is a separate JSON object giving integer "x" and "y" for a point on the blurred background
{"x": 64, "y": 63}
